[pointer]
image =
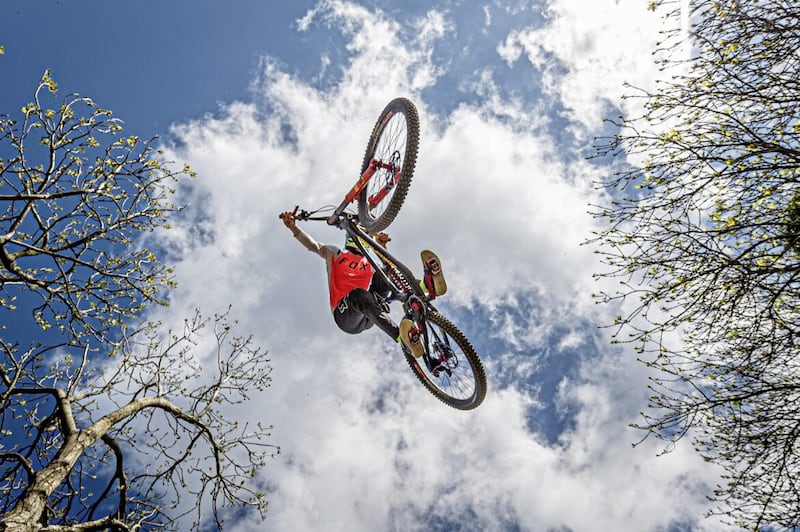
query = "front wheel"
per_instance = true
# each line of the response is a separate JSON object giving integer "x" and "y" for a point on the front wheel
{"x": 392, "y": 150}
{"x": 460, "y": 380}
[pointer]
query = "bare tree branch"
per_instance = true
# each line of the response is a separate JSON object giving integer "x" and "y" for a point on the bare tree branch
{"x": 107, "y": 423}
{"x": 217, "y": 459}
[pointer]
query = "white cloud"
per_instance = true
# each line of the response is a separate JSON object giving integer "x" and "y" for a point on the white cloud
{"x": 365, "y": 447}
{"x": 587, "y": 51}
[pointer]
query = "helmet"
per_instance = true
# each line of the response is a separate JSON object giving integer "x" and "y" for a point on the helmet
{"x": 350, "y": 244}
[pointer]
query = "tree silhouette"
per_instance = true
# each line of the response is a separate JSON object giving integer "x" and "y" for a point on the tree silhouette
{"x": 107, "y": 422}
{"x": 702, "y": 238}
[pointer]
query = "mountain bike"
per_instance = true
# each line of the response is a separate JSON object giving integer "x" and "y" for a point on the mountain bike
{"x": 449, "y": 366}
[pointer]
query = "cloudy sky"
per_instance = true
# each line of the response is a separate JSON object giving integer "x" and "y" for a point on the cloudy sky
{"x": 271, "y": 103}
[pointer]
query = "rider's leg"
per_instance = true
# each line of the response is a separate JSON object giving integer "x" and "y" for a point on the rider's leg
{"x": 360, "y": 303}
{"x": 349, "y": 319}
{"x": 364, "y": 302}
{"x": 379, "y": 286}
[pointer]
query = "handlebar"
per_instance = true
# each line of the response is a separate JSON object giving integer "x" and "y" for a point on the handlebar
{"x": 303, "y": 215}
{"x": 306, "y": 215}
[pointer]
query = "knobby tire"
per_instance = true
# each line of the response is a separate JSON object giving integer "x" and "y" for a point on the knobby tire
{"x": 387, "y": 137}
{"x": 467, "y": 356}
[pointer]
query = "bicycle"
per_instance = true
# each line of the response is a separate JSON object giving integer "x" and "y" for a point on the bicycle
{"x": 449, "y": 366}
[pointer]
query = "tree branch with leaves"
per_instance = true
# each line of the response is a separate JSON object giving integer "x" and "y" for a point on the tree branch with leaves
{"x": 702, "y": 241}
{"x": 74, "y": 195}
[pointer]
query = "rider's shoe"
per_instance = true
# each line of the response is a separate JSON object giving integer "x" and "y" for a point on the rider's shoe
{"x": 433, "y": 277}
{"x": 409, "y": 334}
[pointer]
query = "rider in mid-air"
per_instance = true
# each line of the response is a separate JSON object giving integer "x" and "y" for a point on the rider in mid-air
{"x": 357, "y": 294}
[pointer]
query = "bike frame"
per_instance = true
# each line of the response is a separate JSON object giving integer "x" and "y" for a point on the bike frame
{"x": 349, "y": 223}
{"x": 365, "y": 178}
{"x": 416, "y": 303}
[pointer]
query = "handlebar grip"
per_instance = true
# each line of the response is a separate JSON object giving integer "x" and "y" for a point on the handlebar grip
{"x": 294, "y": 212}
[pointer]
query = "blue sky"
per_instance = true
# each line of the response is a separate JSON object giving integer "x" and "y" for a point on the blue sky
{"x": 151, "y": 62}
{"x": 155, "y": 63}
{"x": 510, "y": 95}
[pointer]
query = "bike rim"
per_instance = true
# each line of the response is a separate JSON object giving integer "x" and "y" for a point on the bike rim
{"x": 390, "y": 148}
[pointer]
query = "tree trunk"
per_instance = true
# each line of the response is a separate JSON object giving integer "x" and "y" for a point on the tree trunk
{"x": 26, "y": 515}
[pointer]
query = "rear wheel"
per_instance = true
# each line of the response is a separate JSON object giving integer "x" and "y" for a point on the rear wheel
{"x": 393, "y": 145}
{"x": 461, "y": 381}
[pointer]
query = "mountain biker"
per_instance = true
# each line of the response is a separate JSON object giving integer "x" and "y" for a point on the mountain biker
{"x": 356, "y": 293}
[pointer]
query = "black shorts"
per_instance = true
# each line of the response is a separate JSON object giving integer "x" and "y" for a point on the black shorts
{"x": 359, "y": 310}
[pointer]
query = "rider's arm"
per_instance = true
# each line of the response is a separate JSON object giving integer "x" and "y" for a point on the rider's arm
{"x": 326, "y": 252}
{"x": 312, "y": 245}
{"x": 308, "y": 242}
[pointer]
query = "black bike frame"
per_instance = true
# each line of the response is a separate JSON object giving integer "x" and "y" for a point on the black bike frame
{"x": 349, "y": 223}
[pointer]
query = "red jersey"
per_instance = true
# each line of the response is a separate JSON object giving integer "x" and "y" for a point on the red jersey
{"x": 348, "y": 271}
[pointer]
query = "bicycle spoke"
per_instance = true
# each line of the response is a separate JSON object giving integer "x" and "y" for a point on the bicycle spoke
{"x": 390, "y": 149}
{"x": 461, "y": 382}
